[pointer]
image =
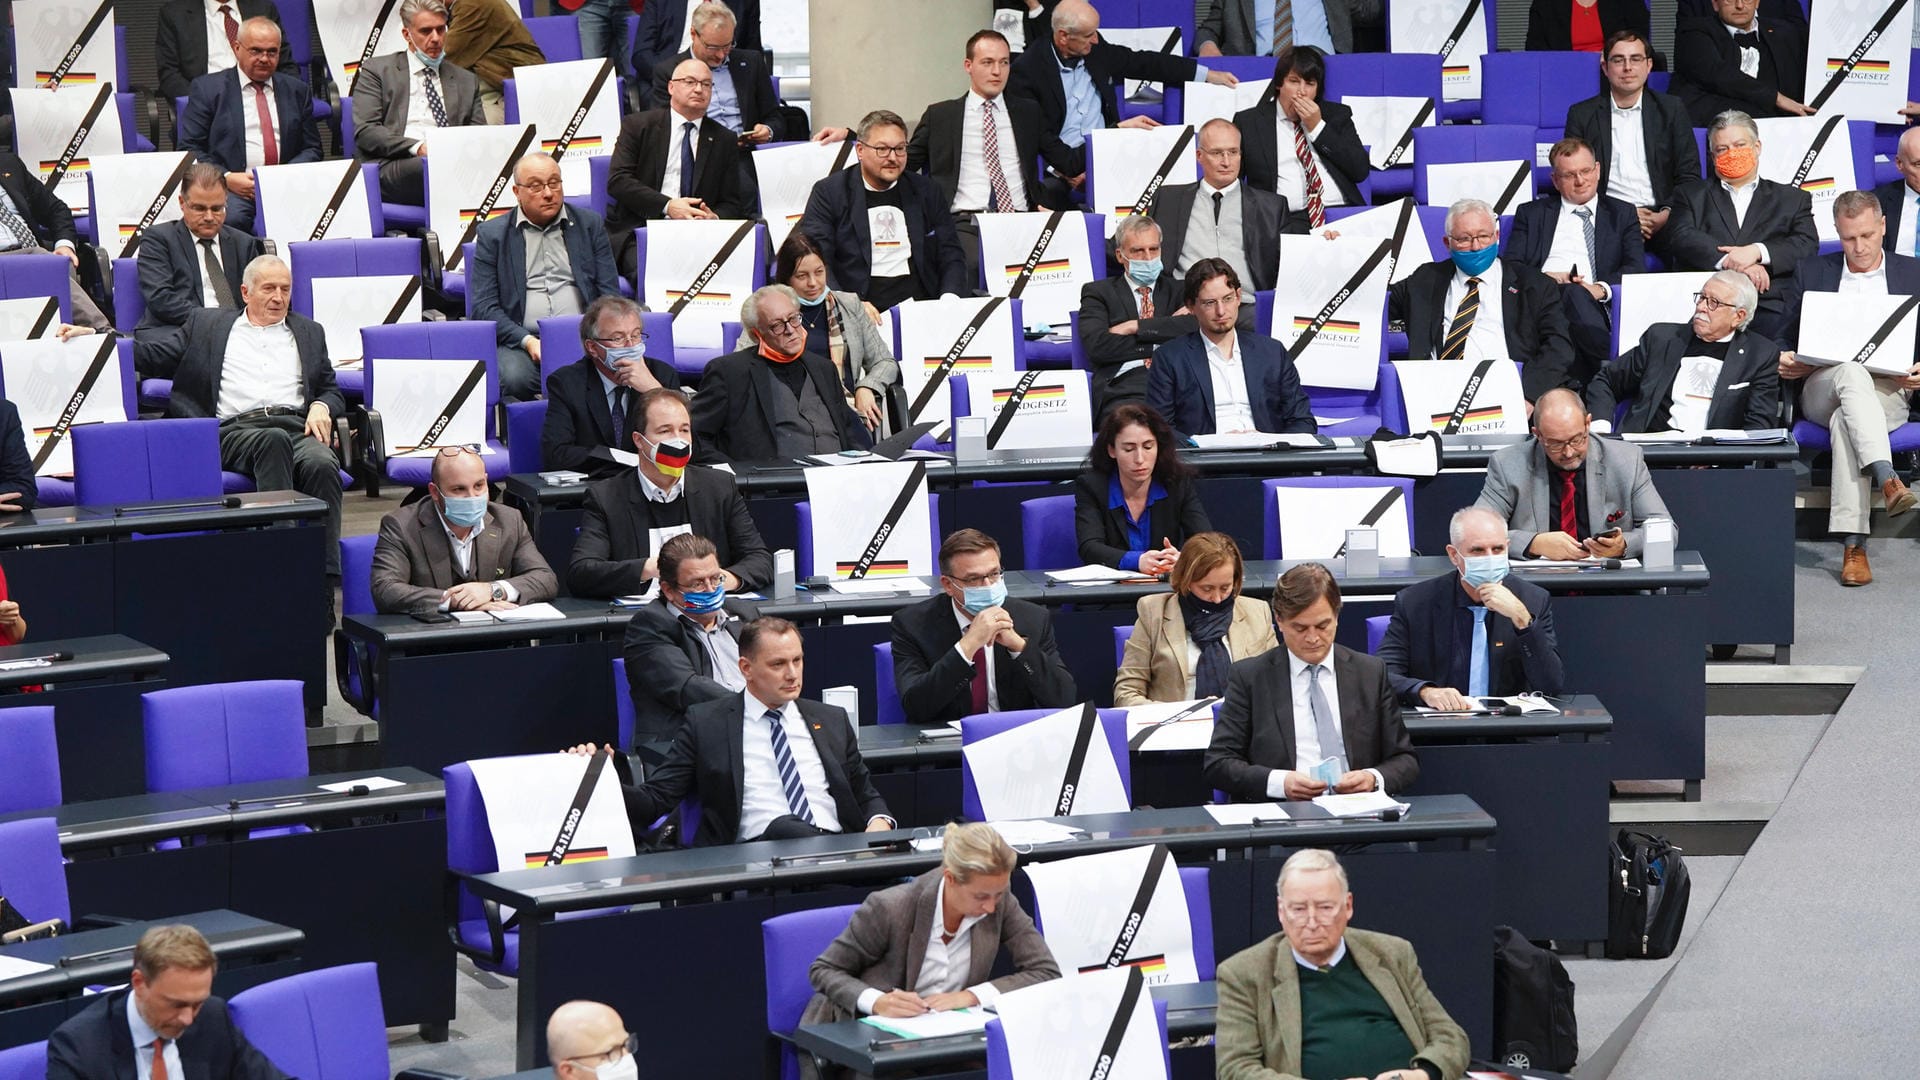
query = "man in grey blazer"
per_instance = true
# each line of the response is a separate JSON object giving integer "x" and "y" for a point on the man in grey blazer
{"x": 1314, "y": 718}
{"x": 455, "y": 549}
{"x": 1567, "y": 495}
{"x": 1221, "y": 216}
{"x": 890, "y": 962}
{"x": 401, "y": 98}
{"x": 1235, "y": 28}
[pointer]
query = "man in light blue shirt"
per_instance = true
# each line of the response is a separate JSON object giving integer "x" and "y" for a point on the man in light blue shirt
{"x": 1260, "y": 28}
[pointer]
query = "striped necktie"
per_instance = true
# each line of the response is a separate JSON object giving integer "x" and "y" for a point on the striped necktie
{"x": 789, "y": 772}
{"x": 1455, "y": 347}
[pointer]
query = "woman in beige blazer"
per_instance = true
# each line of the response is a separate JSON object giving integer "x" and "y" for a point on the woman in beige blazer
{"x": 1184, "y": 641}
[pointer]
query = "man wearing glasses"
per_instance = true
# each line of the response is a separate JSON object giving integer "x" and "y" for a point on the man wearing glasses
{"x": 455, "y": 550}
{"x": 1565, "y": 495}
{"x": 249, "y": 116}
{"x": 775, "y": 401}
{"x": 588, "y": 1041}
{"x": 594, "y": 402}
{"x": 1715, "y": 371}
{"x": 544, "y": 259}
{"x": 1641, "y": 137}
{"x": 886, "y": 233}
{"x": 1218, "y": 217}
{"x": 674, "y": 162}
{"x": 743, "y": 98}
{"x": 971, "y": 649}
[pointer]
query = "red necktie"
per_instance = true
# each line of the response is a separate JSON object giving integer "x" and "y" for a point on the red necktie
{"x": 269, "y": 147}
{"x": 1146, "y": 302}
{"x": 233, "y": 28}
{"x": 159, "y": 1070}
{"x": 1316, "y": 208}
{"x": 1569, "y": 510}
{"x": 980, "y": 681}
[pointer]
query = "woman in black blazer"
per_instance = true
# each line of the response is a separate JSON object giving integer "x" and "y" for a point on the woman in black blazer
{"x": 1552, "y": 24}
{"x": 1135, "y": 505}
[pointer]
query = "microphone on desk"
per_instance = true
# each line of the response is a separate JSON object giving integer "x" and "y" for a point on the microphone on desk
{"x": 230, "y": 502}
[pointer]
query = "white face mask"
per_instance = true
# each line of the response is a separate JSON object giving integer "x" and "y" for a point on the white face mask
{"x": 624, "y": 1069}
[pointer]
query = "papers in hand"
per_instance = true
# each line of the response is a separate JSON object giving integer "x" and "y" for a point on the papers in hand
{"x": 371, "y": 783}
{"x": 1719, "y": 435}
{"x": 1359, "y": 804}
{"x": 933, "y": 1025}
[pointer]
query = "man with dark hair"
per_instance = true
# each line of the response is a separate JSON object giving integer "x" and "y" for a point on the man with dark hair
{"x": 250, "y": 115}
{"x": 684, "y": 647}
{"x": 1301, "y": 146}
{"x": 1220, "y": 379}
{"x": 1314, "y": 718}
{"x": 981, "y": 149}
{"x": 401, "y": 98}
{"x": 591, "y": 402}
{"x": 970, "y": 649}
{"x": 455, "y": 550}
{"x": 1736, "y": 59}
{"x": 1642, "y": 138}
{"x": 187, "y": 265}
{"x": 885, "y": 234}
{"x": 1218, "y": 217}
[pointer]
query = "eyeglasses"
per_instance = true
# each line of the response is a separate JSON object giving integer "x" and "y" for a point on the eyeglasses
{"x": 1561, "y": 446}
{"x": 261, "y": 54}
{"x": 1713, "y": 303}
{"x": 1222, "y": 153}
{"x": 791, "y": 322}
{"x": 1627, "y": 61}
{"x": 1220, "y": 303}
{"x": 539, "y": 186}
{"x": 1322, "y": 912}
{"x": 886, "y": 151}
{"x": 688, "y": 80}
{"x": 462, "y": 448}
{"x": 1587, "y": 173}
{"x": 625, "y": 1048}
{"x": 622, "y": 341}
{"x": 977, "y": 580}
{"x": 1474, "y": 242}
{"x": 724, "y": 46}
{"x": 703, "y": 585}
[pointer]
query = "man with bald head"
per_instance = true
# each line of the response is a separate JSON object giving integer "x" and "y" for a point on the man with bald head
{"x": 248, "y": 116}
{"x": 1900, "y": 199}
{"x": 675, "y": 162}
{"x": 1219, "y": 217}
{"x": 588, "y": 1041}
{"x": 1567, "y": 495}
{"x": 544, "y": 259}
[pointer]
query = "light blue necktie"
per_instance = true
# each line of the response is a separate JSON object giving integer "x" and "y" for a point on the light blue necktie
{"x": 1477, "y": 661}
{"x": 1324, "y": 729}
{"x": 789, "y": 772}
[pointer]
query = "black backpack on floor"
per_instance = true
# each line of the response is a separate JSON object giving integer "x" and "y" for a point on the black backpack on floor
{"x": 1533, "y": 1021}
{"x": 1647, "y": 891}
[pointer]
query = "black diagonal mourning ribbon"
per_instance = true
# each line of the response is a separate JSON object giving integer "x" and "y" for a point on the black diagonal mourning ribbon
{"x": 1854, "y": 57}
{"x": 890, "y": 522}
{"x": 158, "y": 205}
{"x": 1459, "y": 28}
{"x": 840, "y": 159}
{"x": 939, "y": 378}
{"x": 1880, "y": 336}
{"x": 373, "y": 39}
{"x": 79, "y": 45}
{"x": 72, "y": 151}
{"x": 49, "y": 314}
{"x": 1814, "y": 148}
{"x": 1467, "y": 392}
{"x": 335, "y": 201}
{"x": 1520, "y": 176}
{"x": 1406, "y": 141}
{"x": 580, "y": 114}
{"x": 577, "y": 809}
{"x": 1137, "y": 911}
{"x": 1076, "y": 760}
{"x": 1172, "y": 43}
{"x": 499, "y": 187}
{"x": 1400, "y": 228}
{"x": 713, "y": 266}
{"x": 80, "y": 392}
{"x": 1139, "y": 741}
{"x": 399, "y": 308}
{"x": 1373, "y": 515}
{"x": 1123, "y": 1016}
{"x": 1033, "y": 257}
{"x": 1340, "y": 296}
{"x": 453, "y": 406}
{"x": 1160, "y": 174}
{"x": 1001, "y": 422}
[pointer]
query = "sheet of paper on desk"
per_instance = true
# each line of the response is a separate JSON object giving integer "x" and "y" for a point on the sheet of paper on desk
{"x": 844, "y": 457}
{"x": 1549, "y": 564}
{"x": 471, "y": 616}
{"x": 933, "y": 1025}
{"x": 1719, "y": 435}
{"x": 1035, "y": 831}
{"x": 1236, "y": 440}
{"x": 1090, "y": 573}
{"x": 371, "y": 783}
{"x": 529, "y": 613}
{"x": 12, "y": 967}
{"x": 1358, "y": 803}
{"x": 1245, "y": 813}
{"x": 873, "y": 586}
{"x": 1171, "y": 725}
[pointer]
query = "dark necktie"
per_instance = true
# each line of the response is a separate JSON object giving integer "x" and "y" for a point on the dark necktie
{"x": 980, "y": 681}
{"x": 1569, "y": 505}
{"x": 1217, "y": 197}
{"x": 1585, "y": 214}
{"x": 1282, "y": 25}
{"x": 789, "y": 772}
{"x": 269, "y": 146}
{"x": 686, "y": 160}
{"x": 23, "y": 233}
{"x": 233, "y": 27}
{"x": 1455, "y": 347}
{"x": 617, "y": 409}
{"x": 438, "y": 107}
{"x": 999, "y": 195}
{"x": 222, "y": 292}
{"x": 1747, "y": 40}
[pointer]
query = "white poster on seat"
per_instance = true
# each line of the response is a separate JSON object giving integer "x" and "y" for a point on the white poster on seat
{"x": 1329, "y": 308}
{"x": 1060, "y": 1028}
{"x": 1784, "y": 143}
{"x": 552, "y": 96}
{"x": 468, "y": 180}
{"x": 349, "y": 36}
{"x": 314, "y": 200}
{"x": 678, "y": 254}
{"x": 1502, "y": 185}
{"x": 1029, "y": 771}
{"x": 1398, "y": 221}
{"x": 1051, "y": 293}
{"x": 1121, "y": 162}
{"x": 1838, "y": 328}
{"x": 1386, "y": 125}
{"x": 870, "y": 522}
{"x": 1645, "y": 299}
{"x": 1053, "y": 411}
{"x": 1456, "y": 30}
{"x": 1117, "y": 909}
{"x": 132, "y": 193}
{"x": 934, "y": 331}
{"x": 29, "y": 318}
{"x": 44, "y": 125}
{"x": 1160, "y": 39}
{"x": 1207, "y": 101}
{"x": 344, "y": 305}
{"x": 787, "y": 175}
{"x": 1432, "y": 390}
{"x": 58, "y": 385}
{"x": 1314, "y": 520}
{"x": 428, "y": 404}
{"x": 529, "y": 806}
{"x": 44, "y": 34}
{"x": 1873, "y": 85}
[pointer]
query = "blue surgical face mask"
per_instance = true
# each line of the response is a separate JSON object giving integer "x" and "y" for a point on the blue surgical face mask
{"x": 1479, "y": 570}
{"x": 466, "y": 511}
{"x": 631, "y": 353}
{"x": 432, "y": 62}
{"x": 1144, "y": 271}
{"x": 1475, "y": 263}
{"x": 815, "y": 302}
{"x": 978, "y": 598}
{"x": 704, "y": 602}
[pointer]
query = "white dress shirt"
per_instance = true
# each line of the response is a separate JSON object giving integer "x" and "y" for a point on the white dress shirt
{"x": 1488, "y": 338}
{"x": 945, "y": 966}
{"x": 677, "y": 132}
{"x": 420, "y": 122}
{"x": 1629, "y": 177}
{"x": 463, "y": 555}
{"x": 763, "y": 798}
{"x": 1339, "y": 954}
{"x": 208, "y": 296}
{"x": 1871, "y": 283}
{"x": 220, "y": 48}
{"x": 250, "y": 113}
{"x": 1570, "y": 244}
{"x": 993, "y": 681}
{"x": 261, "y": 368}
{"x": 974, "y": 187}
{"x": 1307, "y": 751}
{"x": 1749, "y": 58}
{"x": 1742, "y": 197}
{"x": 1903, "y": 242}
{"x": 143, "y": 1040}
{"x": 1290, "y": 180}
{"x": 1232, "y": 404}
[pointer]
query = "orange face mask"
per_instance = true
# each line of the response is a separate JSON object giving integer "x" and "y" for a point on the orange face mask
{"x": 768, "y": 350}
{"x": 1735, "y": 161}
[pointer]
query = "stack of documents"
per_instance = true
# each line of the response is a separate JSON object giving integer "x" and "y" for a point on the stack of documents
{"x": 1022, "y": 834}
{"x": 523, "y": 613}
{"x": 1245, "y": 813}
{"x": 1719, "y": 435}
{"x": 1526, "y": 703}
{"x": 933, "y": 1025}
{"x": 1359, "y": 804}
{"x": 1094, "y": 574}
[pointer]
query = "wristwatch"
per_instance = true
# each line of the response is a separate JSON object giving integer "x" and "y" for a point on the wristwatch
{"x": 499, "y": 591}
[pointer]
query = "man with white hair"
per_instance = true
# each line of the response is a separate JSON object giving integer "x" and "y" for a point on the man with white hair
{"x": 1713, "y": 371}
{"x": 728, "y": 46}
{"x": 775, "y": 401}
{"x": 1320, "y": 998}
{"x": 1476, "y": 305}
{"x": 1474, "y": 631}
{"x": 402, "y": 98}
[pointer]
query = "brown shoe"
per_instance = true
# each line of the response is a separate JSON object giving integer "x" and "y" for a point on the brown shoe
{"x": 1853, "y": 568}
{"x": 1899, "y": 497}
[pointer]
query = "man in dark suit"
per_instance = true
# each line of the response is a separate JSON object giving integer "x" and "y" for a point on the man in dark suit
{"x": 456, "y": 550}
{"x": 949, "y": 142}
{"x": 1445, "y": 305}
{"x": 1583, "y": 240}
{"x": 632, "y": 513}
{"x": 1712, "y": 372}
{"x": 47, "y": 225}
{"x": 522, "y": 272}
{"x": 166, "y": 1017}
{"x": 732, "y": 752}
{"x": 665, "y": 28}
{"x": 1475, "y": 631}
{"x": 1739, "y": 221}
{"x": 1567, "y": 495}
{"x": 590, "y": 401}
{"x": 1859, "y": 407}
{"x": 394, "y": 96}
{"x": 223, "y": 124}
{"x": 1739, "y": 60}
{"x": 1218, "y": 217}
{"x": 264, "y": 372}
{"x": 743, "y": 98}
{"x": 1245, "y": 27}
{"x": 1900, "y": 199}
{"x": 684, "y": 647}
{"x": 1301, "y": 146}
{"x": 18, "y": 489}
{"x": 675, "y": 162}
{"x": 1312, "y": 718}
{"x": 1642, "y": 138}
{"x": 1187, "y": 374}
{"x": 886, "y": 234}
{"x": 187, "y": 265}
{"x": 195, "y": 37}
{"x": 1073, "y": 80}
{"x": 775, "y": 402}
{"x": 970, "y": 649}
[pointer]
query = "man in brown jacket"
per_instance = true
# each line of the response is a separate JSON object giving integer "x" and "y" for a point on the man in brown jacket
{"x": 487, "y": 38}
{"x": 455, "y": 550}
